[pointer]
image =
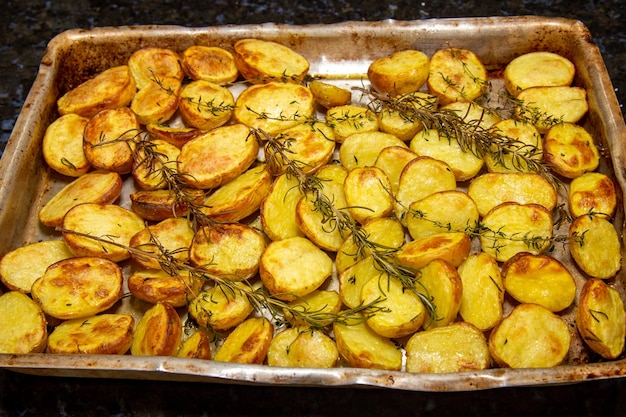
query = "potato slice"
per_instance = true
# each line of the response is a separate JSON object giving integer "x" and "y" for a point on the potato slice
{"x": 538, "y": 69}
{"x": 511, "y": 228}
{"x": 274, "y": 107}
{"x": 206, "y": 105}
{"x": 456, "y": 75}
{"x": 441, "y": 283}
{"x": 458, "y": 347}
{"x": 402, "y": 72}
{"x": 24, "y": 327}
{"x": 248, "y": 343}
{"x": 600, "y": 318}
{"x": 453, "y": 247}
{"x": 261, "y": 61}
{"x": 525, "y": 143}
{"x": 88, "y": 227}
{"x": 232, "y": 250}
{"x": 539, "y": 279}
{"x": 108, "y": 139}
{"x": 595, "y": 246}
{"x": 531, "y": 336}
{"x": 152, "y": 64}
{"x": 110, "y": 89}
{"x": 196, "y": 346}
{"x": 158, "y": 333}
{"x": 368, "y": 194}
{"x": 62, "y": 145}
{"x": 220, "y": 308}
{"x": 483, "y": 291}
{"x": 209, "y": 63}
{"x": 361, "y": 347}
{"x": 592, "y": 193}
{"x": 349, "y": 119}
{"x": 99, "y": 187}
{"x": 20, "y": 267}
{"x": 392, "y": 161}
{"x": 361, "y": 149}
{"x": 152, "y": 158}
{"x": 278, "y": 209}
{"x": 294, "y": 267}
{"x": 329, "y": 95}
{"x": 175, "y": 135}
{"x": 426, "y": 217}
{"x": 320, "y": 306}
{"x": 157, "y": 103}
{"x": 78, "y": 287}
{"x": 157, "y": 286}
{"x": 547, "y": 106}
{"x": 570, "y": 150}
{"x": 158, "y": 205}
{"x": 104, "y": 334}
{"x": 492, "y": 189}
{"x": 302, "y": 348}
{"x": 218, "y": 156}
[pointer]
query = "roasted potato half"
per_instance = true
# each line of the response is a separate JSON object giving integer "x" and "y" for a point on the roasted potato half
{"x": 349, "y": 119}
{"x": 302, "y": 348}
{"x": 206, "y": 105}
{"x": 329, "y": 95}
{"x": 592, "y": 193}
{"x": 196, "y": 346}
{"x": 154, "y": 160}
{"x": 157, "y": 103}
{"x": 521, "y": 148}
{"x": 538, "y": 69}
{"x": 220, "y": 307}
{"x": 402, "y": 72}
{"x": 570, "y": 150}
{"x": 158, "y": 205}
{"x": 157, "y": 286}
{"x": 158, "y": 333}
{"x": 168, "y": 239}
{"x": 24, "y": 326}
{"x": 209, "y": 63}
{"x": 247, "y": 343}
{"x": 152, "y": 64}
{"x": 439, "y": 282}
{"x": 452, "y": 247}
{"x": 368, "y": 194}
{"x": 548, "y": 106}
{"x": 261, "y": 61}
{"x": 392, "y": 161}
{"x": 361, "y": 149}
{"x": 595, "y": 246}
{"x": 278, "y": 209}
{"x": 103, "y": 334}
{"x": 62, "y": 145}
{"x": 456, "y": 74}
{"x": 320, "y": 305}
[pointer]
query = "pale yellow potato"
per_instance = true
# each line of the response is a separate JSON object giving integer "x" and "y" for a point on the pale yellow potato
{"x": 261, "y": 61}
{"x": 531, "y": 336}
{"x": 329, "y": 95}
{"x": 349, "y": 119}
{"x": 110, "y": 89}
{"x": 274, "y": 107}
{"x": 103, "y": 334}
{"x": 176, "y": 135}
{"x": 547, "y": 106}
{"x": 392, "y": 161}
{"x": 361, "y": 347}
{"x": 440, "y": 282}
{"x": 152, "y": 64}
{"x": 401, "y": 72}
{"x": 320, "y": 305}
{"x": 152, "y": 158}
{"x": 452, "y": 247}
{"x": 361, "y": 149}
{"x": 352, "y": 279}
{"x": 62, "y": 145}
{"x": 100, "y": 187}
{"x": 443, "y": 211}
{"x": 595, "y": 246}
{"x": 109, "y": 139}
{"x": 278, "y": 209}
{"x": 538, "y": 69}
{"x": 209, "y": 63}
{"x": 592, "y": 193}
{"x": 158, "y": 205}
{"x": 206, "y": 105}
{"x": 218, "y": 156}
{"x": 158, "y": 333}
{"x": 232, "y": 250}
{"x": 600, "y": 318}
{"x": 401, "y": 123}
{"x": 247, "y": 343}
{"x": 483, "y": 291}
{"x": 294, "y": 267}
{"x": 570, "y": 150}
{"x": 539, "y": 279}
{"x": 157, "y": 103}
{"x": 524, "y": 144}
{"x": 196, "y": 346}
{"x": 397, "y": 311}
{"x": 220, "y": 307}
{"x": 473, "y": 114}
{"x": 457, "y": 347}
{"x": 456, "y": 74}
{"x": 24, "y": 326}
{"x": 492, "y": 189}
{"x": 20, "y": 267}
{"x": 368, "y": 194}
{"x": 158, "y": 286}
{"x": 295, "y": 347}
{"x": 239, "y": 198}
{"x": 78, "y": 287}
{"x": 88, "y": 228}
{"x": 511, "y": 228}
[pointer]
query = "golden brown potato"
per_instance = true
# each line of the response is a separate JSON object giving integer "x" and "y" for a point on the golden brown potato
{"x": 206, "y": 105}
{"x": 539, "y": 279}
{"x": 401, "y": 124}
{"x": 595, "y": 246}
{"x": 368, "y": 194}
{"x": 525, "y": 145}
{"x": 78, "y": 287}
{"x": 175, "y": 135}
{"x": 538, "y": 69}
{"x": 151, "y": 64}
{"x": 104, "y": 334}
{"x": 329, "y": 95}
{"x": 247, "y": 343}
{"x": 473, "y": 114}
{"x": 278, "y": 209}
{"x": 157, "y": 103}
{"x": 453, "y": 247}
{"x": 320, "y": 306}
{"x": 110, "y": 89}
{"x": 62, "y": 145}
{"x": 220, "y": 308}
{"x": 352, "y": 279}
{"x": 600, "y": 318}
{"x": 261, "y": 61}
{"x": 158, "y": 205}
{"x": 350, "y": 119}
{"x": 570, "y": 150}
{"x": 157, "y": 286}
{"x": 392, "y": 161}
{"x": 440, "y": 282}
{"x": 158, "y": 333}
{"x": 547, "y": 106}
{"x": 151, "y": 159}
{"x": 457, "y": 347}
{"x": 456, "y": 75}
{"x": 196, "y": 346}
{"x": 531, "y": 336}
{"x": 592, "y": 193}
{"x": 209, "y": 63}
{"x": 24, "y": 327}
{"x": 402, "y": 72}
{"x": 361, "y": 149}
{"x": 302, "y": 348}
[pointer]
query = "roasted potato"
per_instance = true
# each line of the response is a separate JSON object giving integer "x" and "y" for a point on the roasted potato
{"x": 522, "y": 145}
{"x": 570, "y": 150}
{"x": 302, "y": 348}
{"x": 401, "y": 123}
{"x": 158, "y": 205}
{"x": 402, "y": 72}
{"x": 352, "y": 279}
{"x": 176, "y": 135}
{"x": 361, "y": 149}
{"x": 157, "y": 286}
{"x": 453, "y": 247}
{"x": 62, "y": 145}
{"x": 456, "y": 74}
{"x": 209, "y": 63}
{"x": 329, "y": 95}
{"x": 158, "y": 333}
{"x": 392, "y": 161}
{"x": 153, "y": 162}
{"x": 152, "y": 64}
{"x": 247, "y": 343}
{"x": 24, "y": 326}
{"x": 545, "y": 107}
{"x": 196, "y": 346}
{"x": 592, "y": 193}
{"x": 320, "y": 305}
{"x": 261, "y": 61}
{"x": 538, "y": 69}
{"x": 595, "y": 246}
{"x": 220, "y": 307}
{"x": 206, "y": 105}
{"x": 440, "y": 283}
{"x": 349, "y": 119}
{"x": 157, "y": 103}
{"x": 473, "y": 114}
{"x": 104, "y": 334}
{"x": 278, "y": 209}
{"x": 368, "y": 194}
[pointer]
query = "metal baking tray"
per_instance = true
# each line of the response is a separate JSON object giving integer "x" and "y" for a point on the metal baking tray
{"x": 337, "y": 52}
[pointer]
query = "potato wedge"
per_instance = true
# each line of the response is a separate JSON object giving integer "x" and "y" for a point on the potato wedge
{"x": 547, "y": 106}
{"x": 220, "y": 308}
{"x": 151, "y": 159}
{"x": 196, "y": 346}
{"x": 595, "y": 246}
{"x": 600, "y": 318}
{"x": 531, "y": 336}
{"x": 278, "y": 209}
{"x": 209, "y": 63}
{"x": 592, "y": 193}
{"x": 158, "y": 205}
{"x": 151, "y": 65}
{"x": 538, "y": 69}
{"x": 261, "y": 61}
{"x": 62, "y": 145}
{"x": 402, "y": 72}
{"x": 320, "y": 305}
{"x": 103, "y": 334}
{"x": 361, "y": 149}
{"x": 457, "y": 347}
{"x": 24, "y": 327}
{"x": 440, "y": 282}
{"x": 206, "y": 105}
{"x": 524, "y": 145}
{"x": 78, "y": 287}
{"x": 158, "y": 333}
{"x": 247, "y": 343}
{"x": 157, "y": 286}
{"x": 456, "y": 75}
{"x": 570, "y": 150}
{"x": 392, "y": 161}
{"x": 452, "y": 247}
{"x": 329, "y": 95}
{"x": 368, "y": 193}
{"x": 349, "y": 119}
{"x": 302, "y": 348}
{"x": 157, "y": 103}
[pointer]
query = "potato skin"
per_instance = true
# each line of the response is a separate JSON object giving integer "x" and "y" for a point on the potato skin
{"x": 157, "y": 286}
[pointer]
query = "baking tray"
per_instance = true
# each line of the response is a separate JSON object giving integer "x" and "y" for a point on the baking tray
{"x": 337, "y": 52}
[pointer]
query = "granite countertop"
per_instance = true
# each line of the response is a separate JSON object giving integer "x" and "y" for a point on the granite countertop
{"x": 29, "y": 25}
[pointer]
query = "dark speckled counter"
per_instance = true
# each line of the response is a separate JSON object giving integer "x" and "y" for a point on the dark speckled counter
{"x": 27, "y": 26}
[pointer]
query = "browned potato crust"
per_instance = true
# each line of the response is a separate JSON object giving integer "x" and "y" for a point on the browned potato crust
{"x": 151, "y": 64}
{"x": 570, "y": 150}
{"x": 247, "y": 343}
{"x": 592, "y": 193}
{"x": 157, "y": 103}
{"x": 105, "y": 334}
{"x": 329, "y": 95}
{"x": 151, "y": 159}
{"x": 158, "y": 333}
{"x": 453, "y": 247}
{"x": 535, "y": 69}
{"x": 196, "y": 346}
{"x": 440, "y": 282}
{"x": 157, "y": 286}
{"x": 157, "y": 205}
{"x": 209, "y": 63}
{"x": 206, "y": 105}
{"x": 456, "y": 75}
{"x": 170, "y": 237}
{"x": 595, "y": 246}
